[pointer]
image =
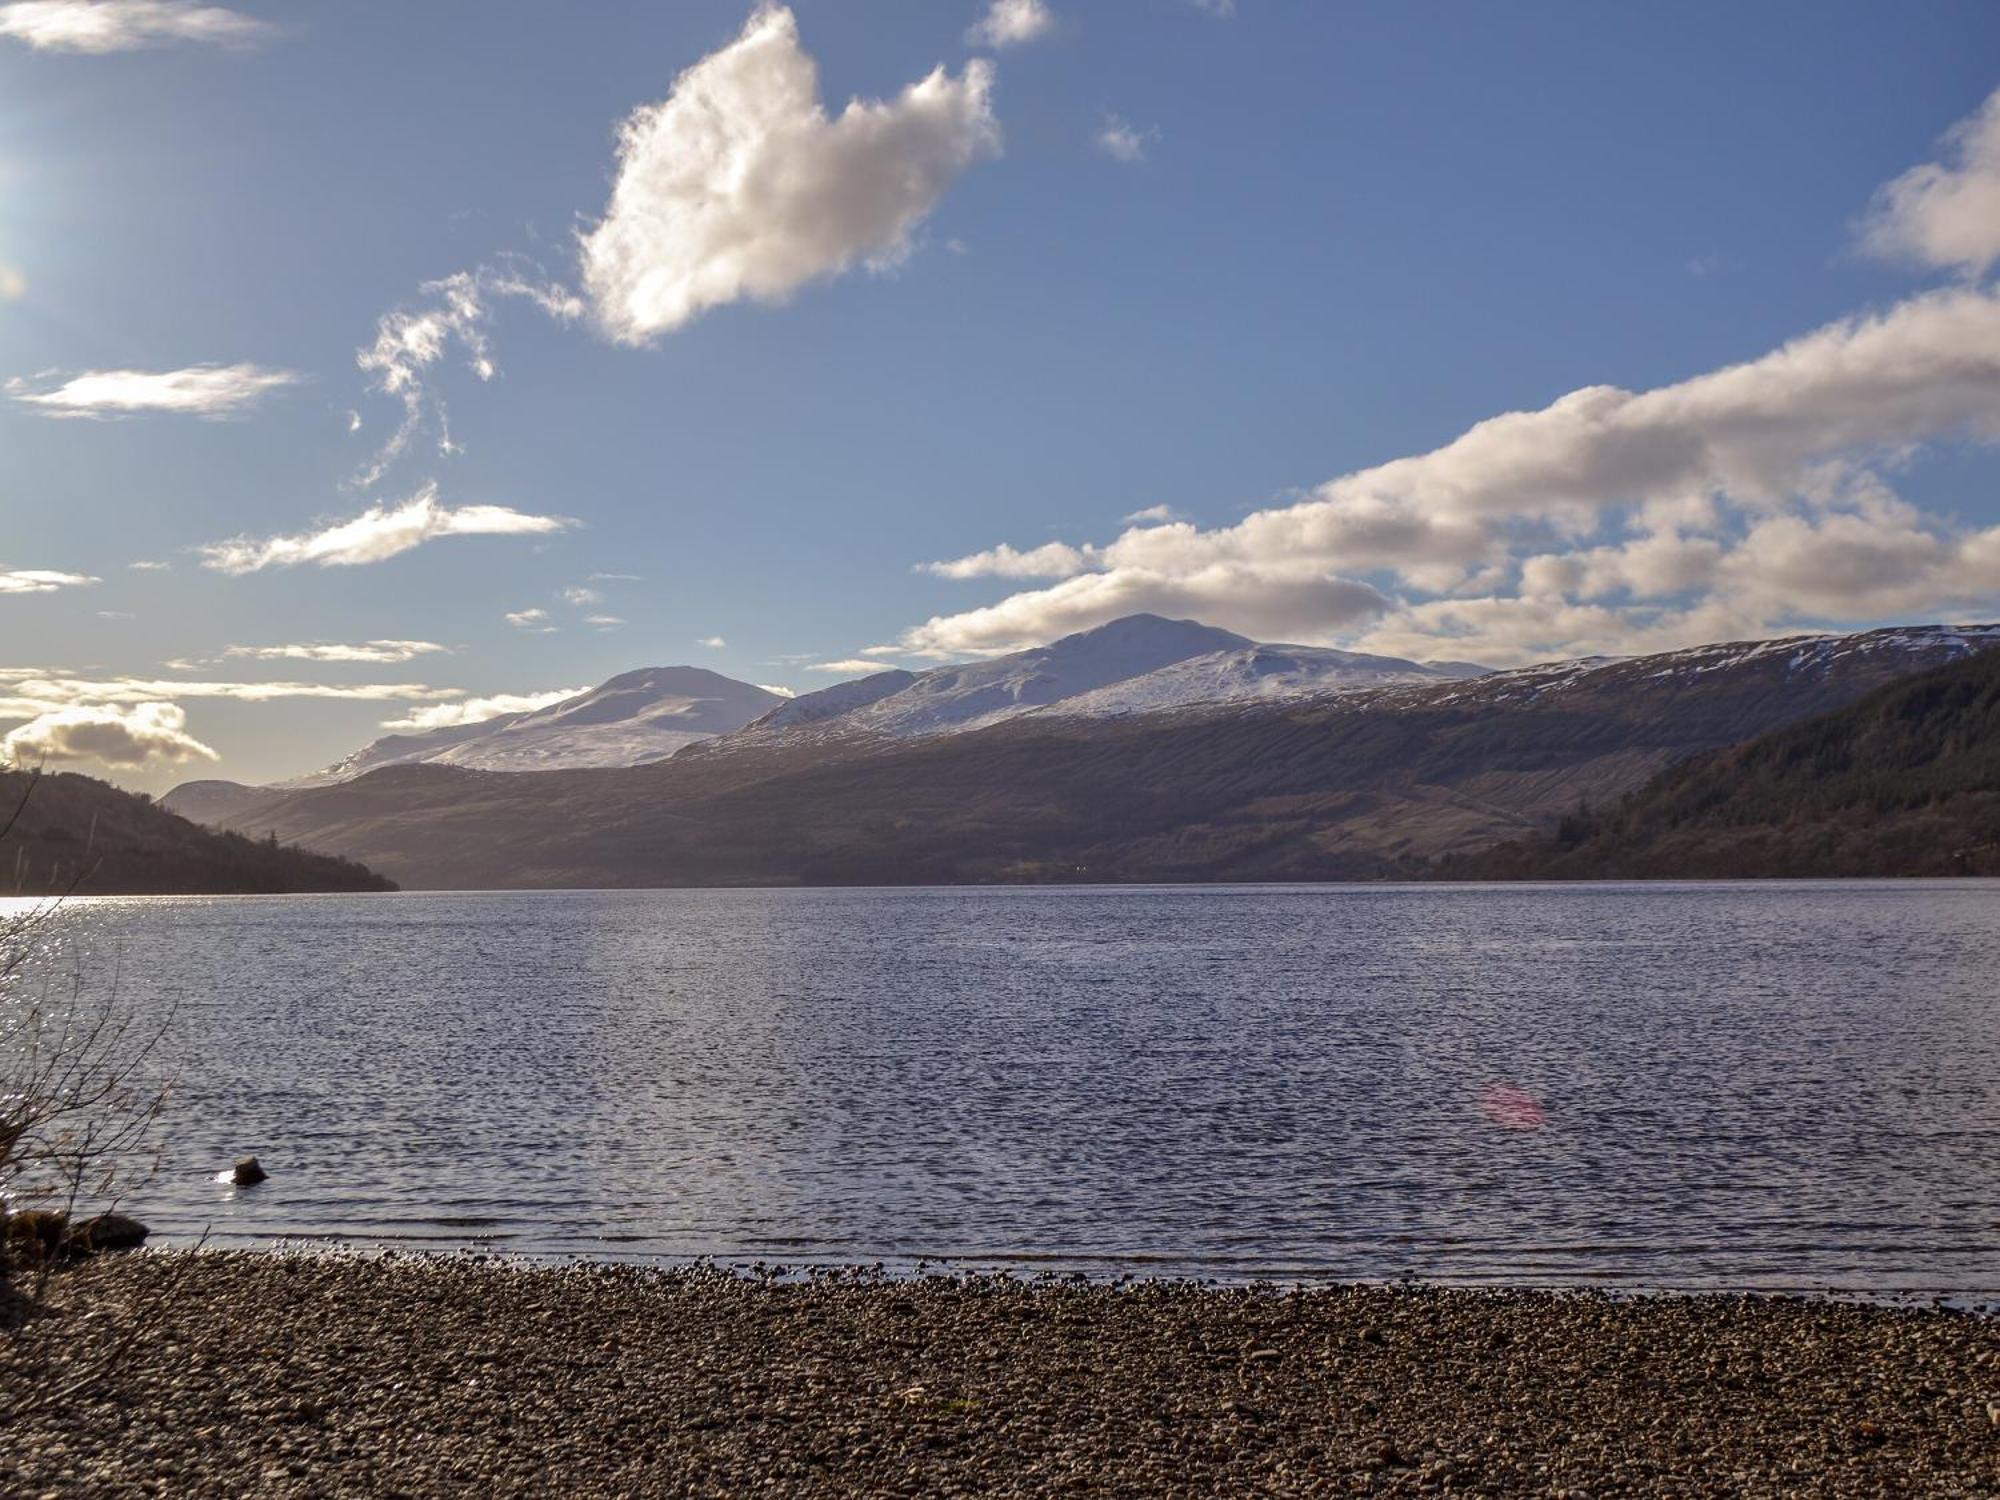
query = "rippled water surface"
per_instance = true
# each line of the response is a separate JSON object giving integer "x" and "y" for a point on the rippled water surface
{"x": 1746, "y": 1085}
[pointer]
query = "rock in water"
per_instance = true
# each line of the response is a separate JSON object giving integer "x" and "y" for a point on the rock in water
{"x": 248, "y": 1173}
{"x": 107, "y": 1232}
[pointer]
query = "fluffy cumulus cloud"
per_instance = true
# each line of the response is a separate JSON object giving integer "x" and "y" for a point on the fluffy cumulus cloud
{"x": 1608, "y": 520}
{"x": 126, "y": 25}
{"x": 1946, "y": 214}
{"x": 378, "y": 533}
{"x": 740, "y": 186}
{"x": 41, "y": 581}
{"x": 536, "y": 620}
{"x": 1050, "y": 560}
{"x": 477, "y": 710}
{"x": 212, "y": 391}
{"x": 1010, "y": 23}
{"x": 128, "y": 738}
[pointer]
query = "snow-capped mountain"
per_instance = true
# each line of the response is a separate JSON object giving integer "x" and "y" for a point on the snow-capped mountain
{"x": 1255, "y": 672}
{"x": 1138, "y": 664}
{"x": 634, "y": 718}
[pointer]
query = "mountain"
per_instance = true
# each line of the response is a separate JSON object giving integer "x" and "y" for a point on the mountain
{"x": 1346, "y": 783}
{"x": 76, "y": 833}
{"x": 632, "y": 719}
{"x": 1904, "y": 782}
{"x": 1139, "y": 664}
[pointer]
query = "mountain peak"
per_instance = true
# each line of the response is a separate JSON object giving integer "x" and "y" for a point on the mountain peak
{"x": 1190, "y": 637}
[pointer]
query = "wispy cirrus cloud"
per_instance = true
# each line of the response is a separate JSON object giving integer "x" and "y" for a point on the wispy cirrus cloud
{"x": 26, "y": 691}
{"x": 127, "y": 738}
{"x": 1122, "y": 141}
{"x": 377, "y": 534}
{"x": 454, "y": 312}
{"x": 41, "y": 581}
{"x": 380, "y": 653}
{"x": 214, "y": 392}
{"x": 479, "y": 710}
{"x": 1945, "y": 214}
{"x": 739, "y": 186}
{"x": 536, "y": 620}
{"x": 1010, "y": 23}
{"x": 127, "y": 25}
{"x": 848, "y": 666}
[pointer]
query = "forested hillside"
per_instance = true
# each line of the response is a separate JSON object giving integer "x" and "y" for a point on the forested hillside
{"x": 73, "y": 833}
{"x": 1904, "y": 782}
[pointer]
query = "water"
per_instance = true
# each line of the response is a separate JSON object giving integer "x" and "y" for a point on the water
{"x": 1773, "y": 1086}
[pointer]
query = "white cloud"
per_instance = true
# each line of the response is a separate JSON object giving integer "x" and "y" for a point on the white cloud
{"x": 848, "y": 667}
{"x": 149, "y": 565}
{"x": 479, "y": 710}
{"x": 28, "y": 691}
{"x": 536, "y": 620}
{"x": 379, "y": 652}
{"x": 1153, "y": 515}
{"x": 451, "y": 313}
{"x": 581, "y": 596}
{"x": 1222, "y": 10}
{"x": 1009, "y": 23}
{"x": 1051, "y": 560}
{"x": 740, "y": 186}
{"x": 126, "y": 25}
{"x": 782, "y": 692}
{"x": 212, "y": 391}
{"x": 376, "y": 534}
{"x": 614, "y": 578}
{"x": 713, "y": 642}
{"x": 1122, "y": 141}
{"x": 124, "y": 737}
{"x": 603, "y": 622}
{"x": 41, "y": 581}
{"x": 1741, "y": 497}
{"x": 1945, "y": 214}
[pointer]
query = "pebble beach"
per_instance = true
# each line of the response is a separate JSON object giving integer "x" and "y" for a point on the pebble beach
{"x": 247, "y": 1373}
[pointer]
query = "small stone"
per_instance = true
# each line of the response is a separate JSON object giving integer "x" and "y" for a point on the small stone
{"x": 1262, "y": 1357}
{"x": 247, "y": 1172}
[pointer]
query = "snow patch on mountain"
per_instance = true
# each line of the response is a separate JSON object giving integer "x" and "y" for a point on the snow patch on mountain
{"x": 633, "y": 719}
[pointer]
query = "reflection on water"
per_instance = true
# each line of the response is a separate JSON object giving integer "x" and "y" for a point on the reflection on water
{"x": 1770, "y": 1085}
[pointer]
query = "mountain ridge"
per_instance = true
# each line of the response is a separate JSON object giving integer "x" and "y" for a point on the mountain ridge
{"x": 1369, "y": 784}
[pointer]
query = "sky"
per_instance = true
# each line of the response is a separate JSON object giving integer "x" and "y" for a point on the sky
{"x": 389, "y": 365}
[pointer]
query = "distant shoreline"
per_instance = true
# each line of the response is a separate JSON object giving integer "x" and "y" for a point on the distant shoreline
{"x": 290, "y": 1374}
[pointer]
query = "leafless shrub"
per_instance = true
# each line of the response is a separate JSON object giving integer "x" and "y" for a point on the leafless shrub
{"x": 78, "y": 1092}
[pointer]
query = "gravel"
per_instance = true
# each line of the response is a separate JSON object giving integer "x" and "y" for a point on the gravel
{"x": 238, "y": 1373}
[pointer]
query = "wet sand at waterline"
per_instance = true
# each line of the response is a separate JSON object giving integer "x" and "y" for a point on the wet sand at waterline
{"x": 272, "y": 1374}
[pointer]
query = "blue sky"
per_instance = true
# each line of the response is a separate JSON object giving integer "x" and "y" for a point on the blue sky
{"x": 1255, "y": 277}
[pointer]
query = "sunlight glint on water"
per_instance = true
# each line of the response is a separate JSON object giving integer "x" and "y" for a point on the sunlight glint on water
{"x": 1776, "y": 1085}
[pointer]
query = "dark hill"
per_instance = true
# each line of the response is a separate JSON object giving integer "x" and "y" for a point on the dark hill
{"x": 74, "y": 833}
{"x": 1904, "y": 782}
